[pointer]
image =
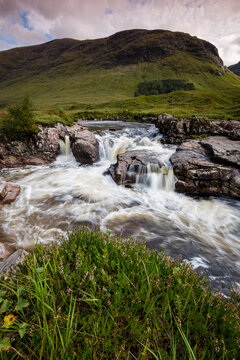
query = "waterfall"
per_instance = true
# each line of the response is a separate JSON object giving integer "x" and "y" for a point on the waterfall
{"x": 66, "y": 154}
{"x": 65, "y": 148}
{"x": 155, "y": 177}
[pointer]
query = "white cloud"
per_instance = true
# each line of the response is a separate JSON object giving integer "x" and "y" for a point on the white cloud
{"x": 217, "y": 21}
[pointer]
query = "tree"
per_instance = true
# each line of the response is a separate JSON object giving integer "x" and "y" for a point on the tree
{"x": 20, "y": 120}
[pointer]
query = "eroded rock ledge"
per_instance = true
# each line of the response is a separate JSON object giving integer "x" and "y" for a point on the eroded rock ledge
{"x": 130, "y": 164}
{"x": 209, "y": 166}
{"x": 43, "y": 148}
{"x": 177, "y": 130}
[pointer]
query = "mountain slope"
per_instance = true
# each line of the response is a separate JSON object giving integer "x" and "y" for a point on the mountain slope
{"x": 108, "y": 71}
{"x": 235, "y": 68}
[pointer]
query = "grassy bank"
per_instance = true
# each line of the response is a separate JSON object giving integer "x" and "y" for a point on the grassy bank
{"x": 95, "y": 296}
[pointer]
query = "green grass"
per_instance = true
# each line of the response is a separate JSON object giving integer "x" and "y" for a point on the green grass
{"x": 97, "y": 296}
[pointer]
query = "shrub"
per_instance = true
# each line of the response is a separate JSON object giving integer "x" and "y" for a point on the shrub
{"x": 97, "y": 296}
{"x": 157, "y": 87}
{"x": 19, "y": 123}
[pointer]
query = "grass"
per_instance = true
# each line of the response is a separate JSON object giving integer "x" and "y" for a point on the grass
{"x": 98, "y": 296}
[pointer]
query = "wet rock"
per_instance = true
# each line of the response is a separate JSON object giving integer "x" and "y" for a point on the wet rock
{"x": 177, "y": 130}
{"x": 5, "y": 251}
{"x": 12, "y": 261}
{"x": 223, "y": 150}
{"x": 8, "y": 192}
{"x": 130, "y": 164}
{"x": 208, "y": 167}
{"x": 70, "y": 131}
{"x": 45, "y": 144}
{"x": 85, "y": 147}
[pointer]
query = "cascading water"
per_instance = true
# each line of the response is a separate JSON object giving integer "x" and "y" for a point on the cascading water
{"x": 58, "y": 197}
{"x": 66, "y": 154}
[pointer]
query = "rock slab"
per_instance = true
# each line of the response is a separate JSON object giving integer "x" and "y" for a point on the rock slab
{"x": 177, "y": 130}
{"x": 12, "y": 261}
{"x": 208, "y": 167}
{"x": 130, "y": 164}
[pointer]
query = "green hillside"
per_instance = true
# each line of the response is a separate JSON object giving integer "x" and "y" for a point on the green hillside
{"x": 104, "y": 74}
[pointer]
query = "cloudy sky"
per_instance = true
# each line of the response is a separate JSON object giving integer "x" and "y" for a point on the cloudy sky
{"x": 27, "y": 22}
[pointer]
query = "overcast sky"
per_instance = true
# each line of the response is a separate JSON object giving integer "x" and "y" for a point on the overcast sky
{"x": 27, "y": 22}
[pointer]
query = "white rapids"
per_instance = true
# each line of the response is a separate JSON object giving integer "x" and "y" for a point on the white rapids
{"x": 58, "y": 197}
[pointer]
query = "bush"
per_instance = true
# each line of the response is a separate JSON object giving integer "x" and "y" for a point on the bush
{"x": 19, "y": 123}
{"x": 157, "y": 87}
{"x": 97, "y": 296}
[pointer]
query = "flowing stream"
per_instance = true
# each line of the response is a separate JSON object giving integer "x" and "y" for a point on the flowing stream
{"x": 58, "y": 197}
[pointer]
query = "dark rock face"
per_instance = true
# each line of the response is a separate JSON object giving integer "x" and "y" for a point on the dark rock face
{"x": 222, "y": 150}
{"x": 178, "y": 130}
{"x": 8, "y": 193}
{"x": 85, "y": 147}
{"x": 43, "y": 148}
{"x": 130, "y": 164}
{"x": 208, "y": 167}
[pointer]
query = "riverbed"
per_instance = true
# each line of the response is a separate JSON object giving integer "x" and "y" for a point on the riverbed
{"x": 56, "y": 198}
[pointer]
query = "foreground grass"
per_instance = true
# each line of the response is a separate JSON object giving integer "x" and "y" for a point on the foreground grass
{"x": 96, "y": 296}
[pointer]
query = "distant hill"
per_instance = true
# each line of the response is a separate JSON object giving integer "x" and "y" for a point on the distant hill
{"x": 235, "y": 68}
{"x": 105, "y": 73}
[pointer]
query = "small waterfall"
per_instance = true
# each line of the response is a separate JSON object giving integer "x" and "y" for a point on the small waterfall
{"x": 155, "y": 177}
{"x": 65, "y": 148}
{"x": 66, "y": 154}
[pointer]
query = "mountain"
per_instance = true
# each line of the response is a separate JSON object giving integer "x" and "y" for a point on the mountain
{"x": 105, "y": 73}
{"x": 235, "y": 68}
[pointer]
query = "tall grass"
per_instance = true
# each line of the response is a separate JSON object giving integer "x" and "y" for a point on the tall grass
{"x": 98, "y": 296}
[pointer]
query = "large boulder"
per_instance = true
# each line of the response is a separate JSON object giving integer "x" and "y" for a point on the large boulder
{"x": 133, "y": 163}
{"x": 208, "y": 167}
{"x": 177, "y": 130}
{"x": 85, "y": 147}
{"x": 8, "y": 193}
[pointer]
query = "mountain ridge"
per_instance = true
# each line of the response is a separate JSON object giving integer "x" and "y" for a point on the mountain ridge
{"x": 235, "y": 68}
{"x": 108, "y": 70}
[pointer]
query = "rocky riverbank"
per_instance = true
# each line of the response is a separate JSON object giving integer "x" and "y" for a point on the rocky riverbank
{"x": 207, "y": 161}
{"x": 177, "y": 130}
{"x": 42, "y": 148}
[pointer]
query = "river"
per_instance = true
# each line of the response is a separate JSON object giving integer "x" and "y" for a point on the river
{"x": 56, "y": 198}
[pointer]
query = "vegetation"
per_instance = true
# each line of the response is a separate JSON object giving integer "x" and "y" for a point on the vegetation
{"x": 19, "y": 122}
{"x": 157, "y": 87}
{"x": 97, "y": 296}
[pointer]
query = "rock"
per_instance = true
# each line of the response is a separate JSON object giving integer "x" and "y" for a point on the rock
{"x": 178, "y": 130}
{"x": 3, "y": 190}
{"x": 130, "y": 164}
{"x": 85, "y": 147}
{"x": 207, "y": 167}
{"x": 12, "y": 261}
{"x": 8, "y": 192}
{"x": 223, "y": 150}
{"x": 70, "y": 131}
{"x": 46, "y": 143}
{"x": 5, "y": 251}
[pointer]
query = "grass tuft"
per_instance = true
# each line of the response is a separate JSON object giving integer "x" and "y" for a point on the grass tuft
{"x": 98, "y": 296}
